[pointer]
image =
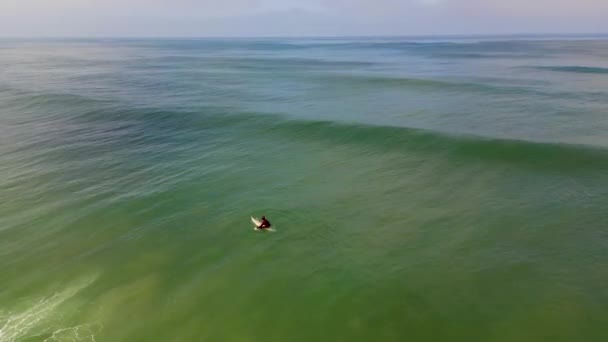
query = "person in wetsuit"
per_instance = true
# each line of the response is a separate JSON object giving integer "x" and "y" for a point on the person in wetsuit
{"x": 265, "y": 224}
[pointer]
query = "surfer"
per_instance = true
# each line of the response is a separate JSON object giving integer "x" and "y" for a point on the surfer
{"x": 265, "y": 224}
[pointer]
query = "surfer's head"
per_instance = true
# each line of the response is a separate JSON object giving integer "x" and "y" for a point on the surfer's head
{"x": 263, "y": 217}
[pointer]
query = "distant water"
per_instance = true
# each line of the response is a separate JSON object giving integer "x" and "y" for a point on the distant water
{"x": 422, "y": 190}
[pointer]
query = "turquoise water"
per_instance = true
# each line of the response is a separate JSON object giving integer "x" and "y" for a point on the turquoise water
{"x": 421, "y": 190}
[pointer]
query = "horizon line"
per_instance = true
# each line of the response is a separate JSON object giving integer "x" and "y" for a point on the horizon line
{"x": 411, "y": 36}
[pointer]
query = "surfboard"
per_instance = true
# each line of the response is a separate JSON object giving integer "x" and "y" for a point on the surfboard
{"x": 257, "y": 223}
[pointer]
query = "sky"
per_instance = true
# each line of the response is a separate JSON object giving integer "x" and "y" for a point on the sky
{"x": 202, "y": 18}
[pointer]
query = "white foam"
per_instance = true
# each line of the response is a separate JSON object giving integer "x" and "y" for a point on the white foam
{"x": 17, "y": 325}
{"x": 84, "y": 332}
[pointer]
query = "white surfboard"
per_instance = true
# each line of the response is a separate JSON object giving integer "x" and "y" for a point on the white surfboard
{"x": 257, "y": 223}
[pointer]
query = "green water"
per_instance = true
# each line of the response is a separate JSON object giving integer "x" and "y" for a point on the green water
{"x": 126, "y": 197}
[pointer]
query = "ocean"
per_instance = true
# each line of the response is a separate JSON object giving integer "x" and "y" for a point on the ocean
{"x": 421, "y": 189}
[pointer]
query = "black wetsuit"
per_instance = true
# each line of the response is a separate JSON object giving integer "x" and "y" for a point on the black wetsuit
{"x": 265, "y": 224}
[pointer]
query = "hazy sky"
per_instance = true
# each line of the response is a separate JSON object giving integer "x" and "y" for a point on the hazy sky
{"x": 298, "y": 18}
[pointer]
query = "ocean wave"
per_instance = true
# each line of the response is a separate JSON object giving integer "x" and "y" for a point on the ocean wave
{"x": 249, "y": 63}
{"x": 43, "y": 100}
{"x": 159, "y": 124}
{"x": 293, "y": 62}
{"x": 575, "y": 69}
{"x": 353, "y": 80}
{"x": 424, "y": 83}
{"x": 214, "y": 44}
{"x": 536, "y": 154}
{"x": 450, "y": 44}
{"x": 472, "y": 147}
{"x": 479, "y": 55}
